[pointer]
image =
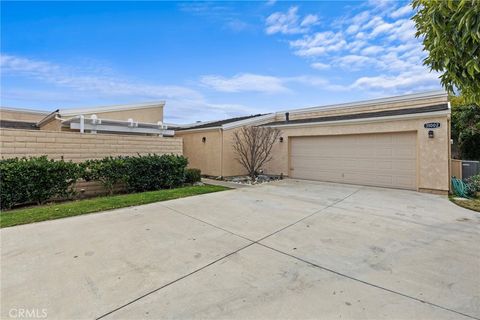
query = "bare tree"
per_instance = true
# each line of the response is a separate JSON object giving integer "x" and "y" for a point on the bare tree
{"x": 253, "y": 146}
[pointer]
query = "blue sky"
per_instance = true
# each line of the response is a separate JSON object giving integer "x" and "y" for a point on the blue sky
{"x": 208, "y": 60}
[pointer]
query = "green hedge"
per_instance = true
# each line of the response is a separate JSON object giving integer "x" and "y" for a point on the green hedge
{"x": 154, "y": 172}
{"x": 193, "y": 175}
{"x": 37, "y": 180}
{"x": 141, "y": 173}
{"x": 109, "y": 171}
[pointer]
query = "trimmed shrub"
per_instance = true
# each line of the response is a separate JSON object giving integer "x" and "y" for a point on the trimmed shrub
{"x": 109, "y": 171}
{"x": 36, "y": 180}
{"x": 193, "y": 175}
{"x": 154, "y": 172}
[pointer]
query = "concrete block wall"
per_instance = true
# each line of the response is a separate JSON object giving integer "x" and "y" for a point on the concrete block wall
{"x": 78, "y": 147}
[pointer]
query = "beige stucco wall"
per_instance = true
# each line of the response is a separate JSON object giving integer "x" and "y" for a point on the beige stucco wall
{"x": 204, "y": 156}
{"x": 149, "y": 115}
{"x": 77, "y": 147}
{"x": 433, "y": 154}
{"x": 52, "y": 125}
{"x": 231, "y": 167}
{"x": 21, "y": 115}
{"x": 305, "y": 114}
{"x": 433, "y": 160}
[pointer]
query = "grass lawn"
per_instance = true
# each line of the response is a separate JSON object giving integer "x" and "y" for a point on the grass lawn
{"x": 472, "y": 204}
{"x": 78, "y": 207}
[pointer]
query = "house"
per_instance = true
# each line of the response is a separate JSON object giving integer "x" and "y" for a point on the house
{"x": 208, "y": 145}
{"x": 398, "y": 142}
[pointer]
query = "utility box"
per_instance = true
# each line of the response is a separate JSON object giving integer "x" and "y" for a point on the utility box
{"x": 470, "y": 168}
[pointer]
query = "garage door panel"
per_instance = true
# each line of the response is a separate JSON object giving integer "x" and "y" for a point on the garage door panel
{"x": 324, "y": 175}
{"x": 369, "y": 180}
{"x": 370, "y": 159}
{"x": 405, "y": 152}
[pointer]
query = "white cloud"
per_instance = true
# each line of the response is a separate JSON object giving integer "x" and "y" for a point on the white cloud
{"x": 380, "y": 4}
{"x": 403, "y": 80}
{"x": 320, "y": 66}
{"x": 381, "y": 27}
{"x": 307, "y": 80}
{"x": 318, "y": 44}
{"x": 289, "y": 22}
{"x": 244, "y": 82}
{"x": 92, "y": 81}
{"x": 71, "y": 86}
{"x": 309, "y": 20}
{"x": 372, "y": 50}
{"x": 352, "y": 29}
{"x": 354, "y": 62}
{"x": 248, "y": 82}
{"x": 378, "y": 40}
{"x": 400, "y": 12}
{"x": 404, "y": 30}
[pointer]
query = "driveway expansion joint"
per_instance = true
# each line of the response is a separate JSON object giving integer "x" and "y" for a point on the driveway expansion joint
{"x": 258, "y": 242}
{"x": 221, "y": 258}
{"x": 367, "y": 283}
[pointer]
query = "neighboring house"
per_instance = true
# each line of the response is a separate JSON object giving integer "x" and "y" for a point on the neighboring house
{"x": 399, "y": 142}
{"x": 141, "y": 119}
{"x": 87, "y": 133}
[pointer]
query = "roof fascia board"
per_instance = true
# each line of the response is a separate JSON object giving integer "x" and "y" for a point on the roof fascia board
{"x": 192, "y": 125}
{"x": 77, "y": 111}
{"x": 380, "y": 101}
{"x": 254, "y": 120}
{"x": 198, "y": 130}
{"x": 365, "y": 120}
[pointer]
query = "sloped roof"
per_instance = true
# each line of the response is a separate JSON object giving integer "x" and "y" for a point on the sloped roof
{"x": 219, "y": 123}
{"x": 364, "y": 115}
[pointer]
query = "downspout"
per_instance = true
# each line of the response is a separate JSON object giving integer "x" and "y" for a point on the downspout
{"x": 221, "y": 152}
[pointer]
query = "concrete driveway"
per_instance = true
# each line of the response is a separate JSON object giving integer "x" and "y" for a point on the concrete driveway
{"x": 290, "y": 249}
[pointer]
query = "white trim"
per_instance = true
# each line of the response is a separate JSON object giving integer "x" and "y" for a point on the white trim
{"x": 117, "y": 128}
{"x": 402, "y": 98}
{"x": 53, "y": 115}
{"x": 198, "y": 130}
{"x": 110, "y": 121}
{"x": 194, "y": 124}
{"x": 248, "y": 121}
{"x": 364, "y": 120}
{"x": 235, "y": 124}
{"x": 77, "y": 111}
{"x": 34, "y": 111}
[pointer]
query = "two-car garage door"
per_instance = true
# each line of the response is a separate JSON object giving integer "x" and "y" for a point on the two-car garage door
{"x": 384, "y": 159}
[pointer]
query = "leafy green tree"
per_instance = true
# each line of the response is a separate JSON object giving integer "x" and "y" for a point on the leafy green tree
{"x": 466, "y": 128}
{"x": 451, "y": 35}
